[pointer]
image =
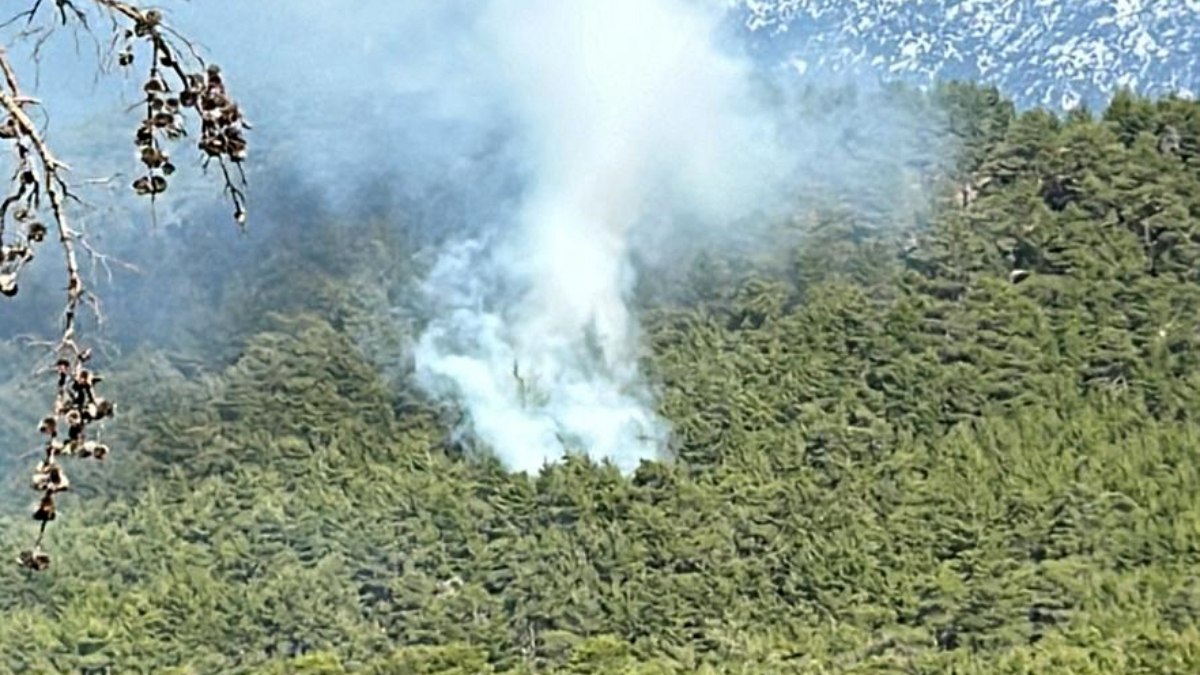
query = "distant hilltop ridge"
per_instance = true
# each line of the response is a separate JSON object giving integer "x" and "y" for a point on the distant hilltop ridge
{"x": 1047, "y": 53}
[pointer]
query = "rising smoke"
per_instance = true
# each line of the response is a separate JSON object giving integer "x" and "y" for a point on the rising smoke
{"x": 627, "y": 116}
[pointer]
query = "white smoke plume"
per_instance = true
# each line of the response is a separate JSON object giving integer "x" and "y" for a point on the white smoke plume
{"x": 628, "y": 116}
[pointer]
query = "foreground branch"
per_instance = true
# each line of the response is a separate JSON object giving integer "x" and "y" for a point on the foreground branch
{"x": 171, "y": 90}
{"x": 76, "y": 404}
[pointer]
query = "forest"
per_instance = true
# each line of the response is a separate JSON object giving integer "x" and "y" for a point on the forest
{"x": 963, "y": 443}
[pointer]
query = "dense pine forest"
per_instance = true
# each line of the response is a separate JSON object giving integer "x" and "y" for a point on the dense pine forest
{"x": 963, "y": 443}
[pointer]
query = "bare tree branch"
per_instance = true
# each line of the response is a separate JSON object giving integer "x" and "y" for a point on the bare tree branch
{"x": 177, "y": 82}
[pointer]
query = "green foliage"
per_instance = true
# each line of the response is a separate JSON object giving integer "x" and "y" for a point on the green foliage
{"x": 975, "y": 457}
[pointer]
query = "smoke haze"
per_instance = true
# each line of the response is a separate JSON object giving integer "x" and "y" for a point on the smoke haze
{"x": 626, "y": 115}
{"x": 576, "y": 144}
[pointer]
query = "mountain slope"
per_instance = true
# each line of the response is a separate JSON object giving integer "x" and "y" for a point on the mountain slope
{"x": 1039, "y": 52}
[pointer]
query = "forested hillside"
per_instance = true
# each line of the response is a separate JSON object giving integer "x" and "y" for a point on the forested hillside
{"x": 969, "y": 448}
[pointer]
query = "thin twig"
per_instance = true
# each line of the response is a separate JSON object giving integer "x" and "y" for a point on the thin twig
{"x": 171, "y": 90}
